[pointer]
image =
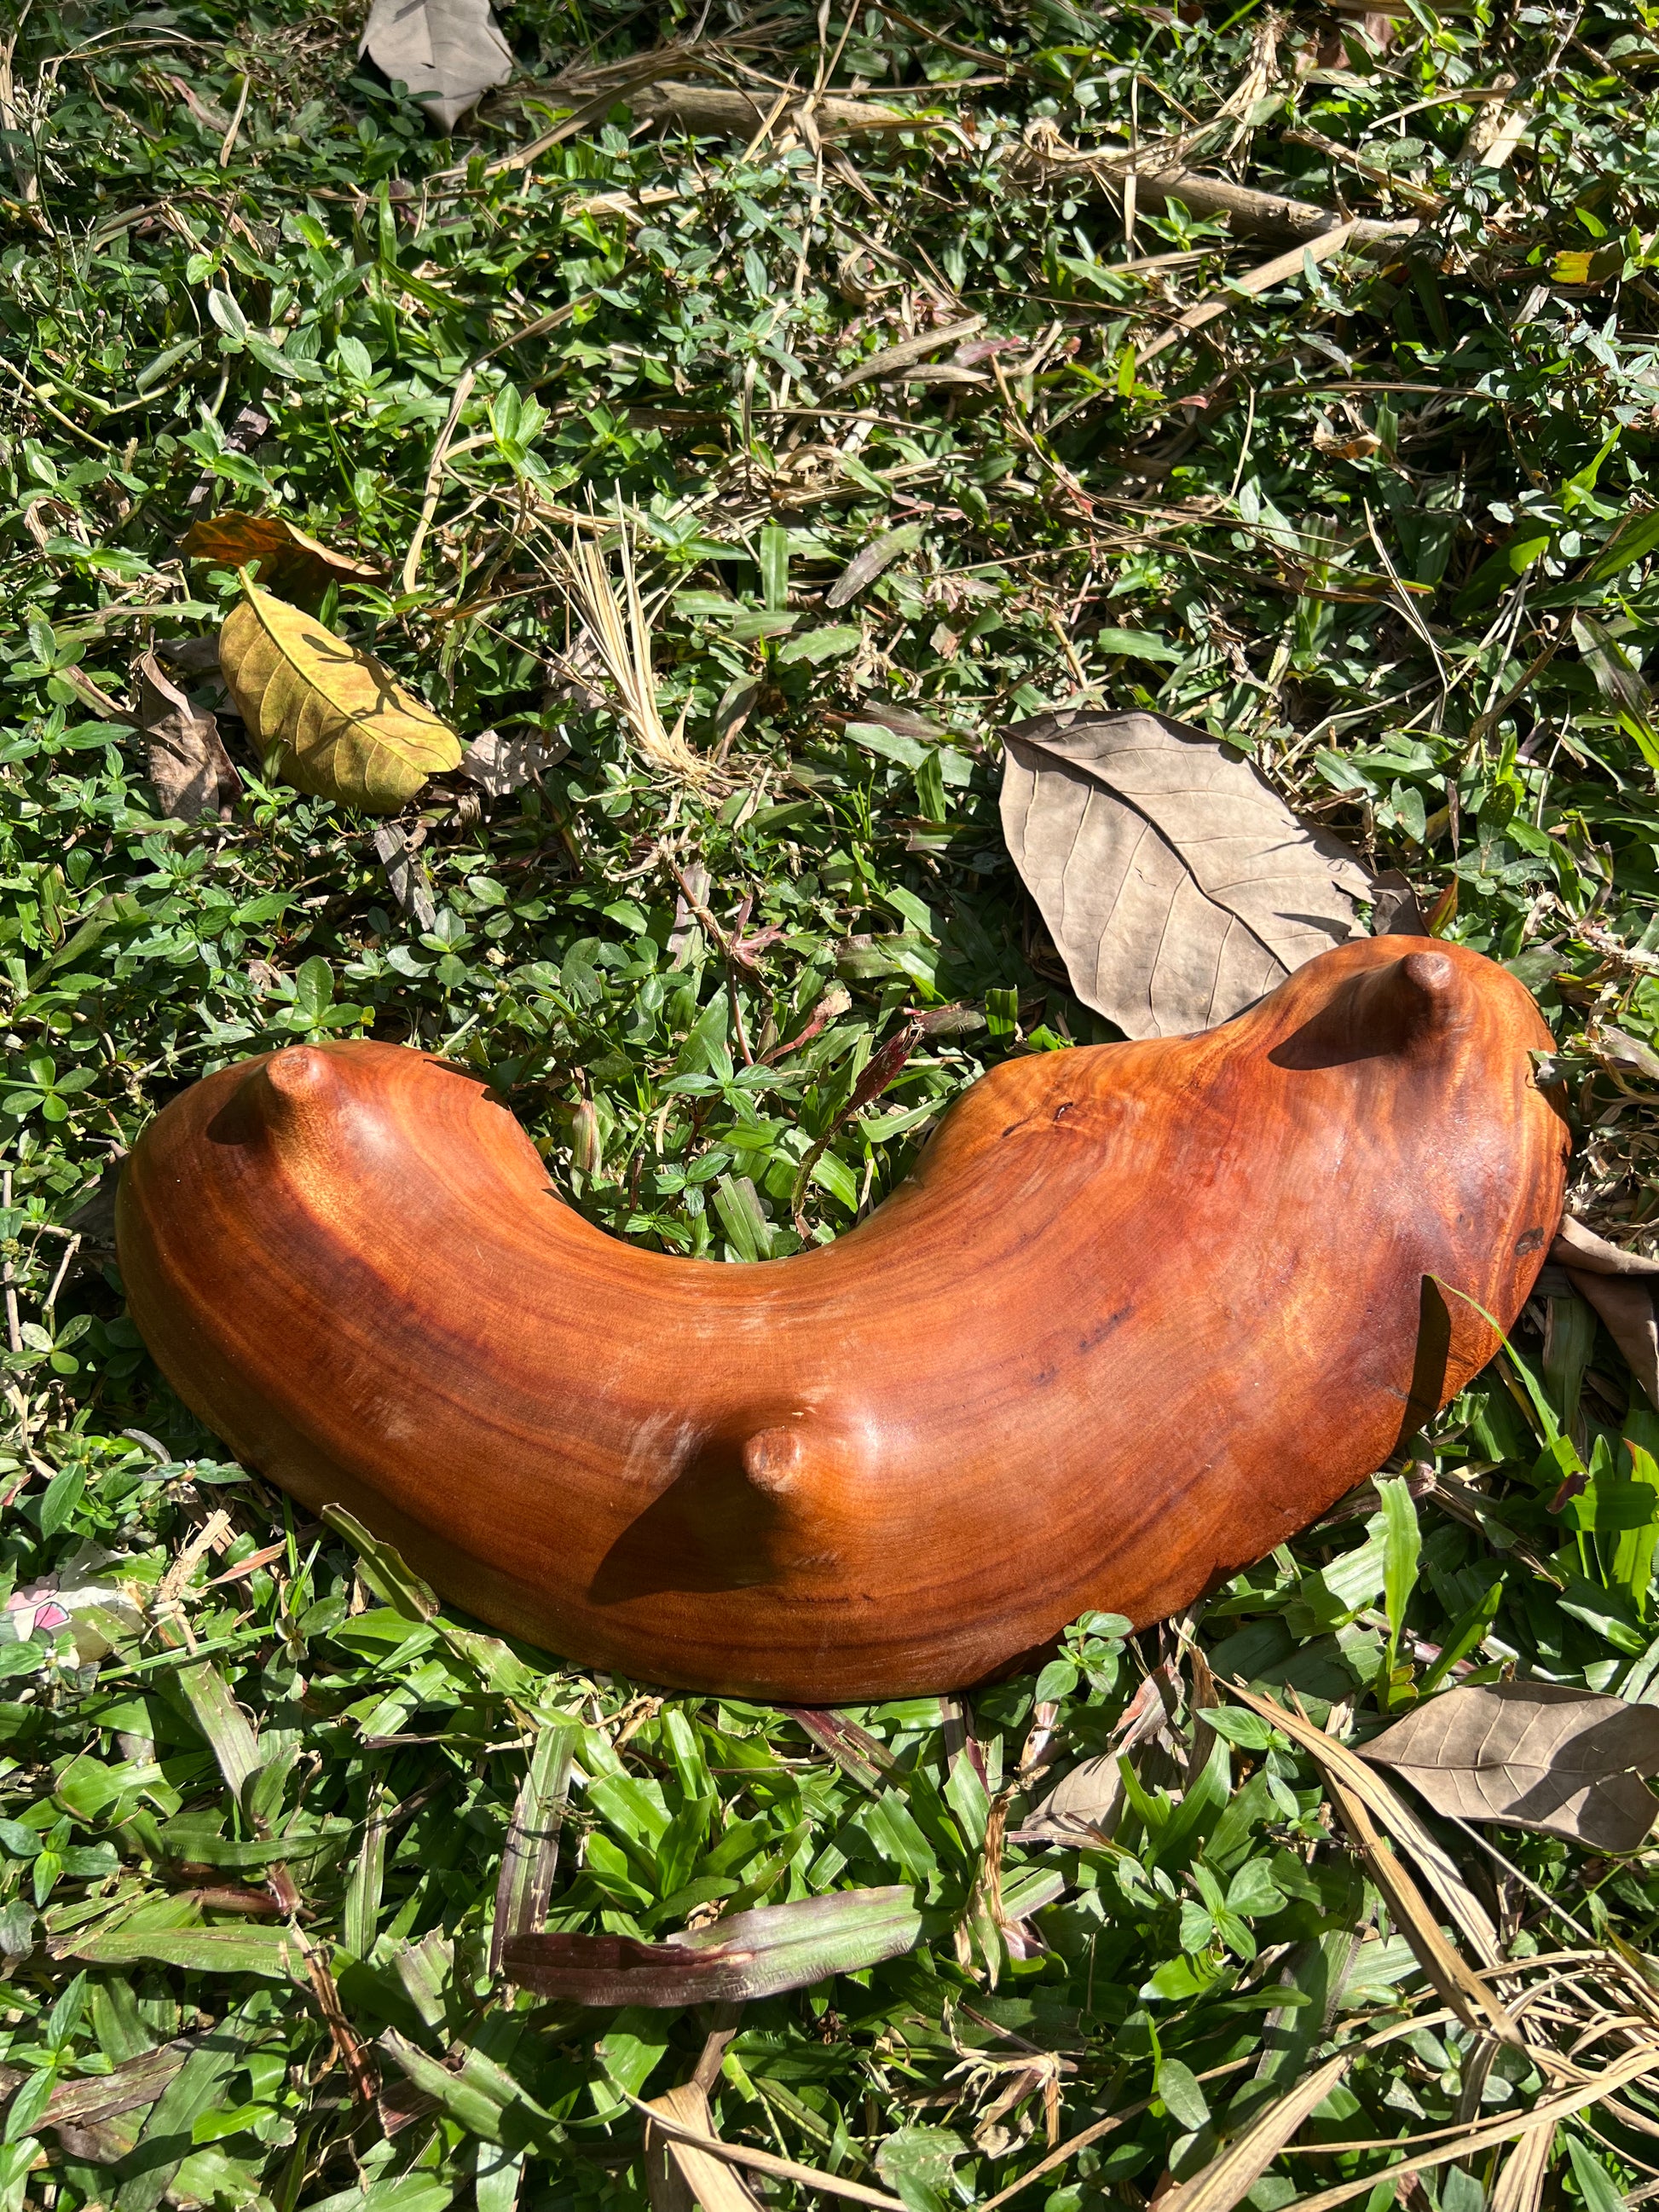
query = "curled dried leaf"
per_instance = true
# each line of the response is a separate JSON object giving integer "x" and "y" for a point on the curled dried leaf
{"x": 448, "y": 52}
{"x": 185, "y": 756}
{"x": 292, "y": 564}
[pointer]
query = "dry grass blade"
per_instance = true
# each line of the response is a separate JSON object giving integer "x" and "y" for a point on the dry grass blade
{"x": 1545, "y": 2115}
{"x": 680, "y": 2175}
{"x": 1441, "y": 1870}
{"x": 897, "y": 357}
{"x": 1465, "y": 1993}
{"x": 1282, "y": 269}
{"x": 1160, "y": 178}
{"x": 435, "y": 475}
{"x": 1414, "y": 195}
{"x": 1520, "y": 2184}
{"x": 672, "y": 2128}
{"x": 360, "y": 2067}
{"x": 716, "y": 109}
{"x": 619, "y": 631}
{"x": 1236, "y": 2172}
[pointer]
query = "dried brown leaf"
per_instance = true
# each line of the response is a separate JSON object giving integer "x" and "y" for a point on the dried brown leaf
{"x": 291, "y": 563}
{"x": 1082, "y": 1808}
{"x": 185, "y": 760}
{"x": 1534, "y": 1755}
{"x": 1178, "y": 885}
{"x": 1624, "y": 1289}
{"x": 448, "y": 52}
{"x": 500, "y": 766}
{"x": 1394, "y": 909}
{"x": 410, "y": 885}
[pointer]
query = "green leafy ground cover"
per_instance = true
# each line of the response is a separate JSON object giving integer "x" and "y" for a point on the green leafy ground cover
{"x": 1389, "y": 528}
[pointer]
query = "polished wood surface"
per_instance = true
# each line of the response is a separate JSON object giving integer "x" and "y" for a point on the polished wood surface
{"x": 1142, "y": 1311}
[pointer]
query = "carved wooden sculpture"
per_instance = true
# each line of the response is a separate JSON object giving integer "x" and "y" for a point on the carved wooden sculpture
{"x": 1142, "y": 1311}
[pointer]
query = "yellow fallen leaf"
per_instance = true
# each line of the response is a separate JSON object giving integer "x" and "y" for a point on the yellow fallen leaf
{"x": 327, "y": 716}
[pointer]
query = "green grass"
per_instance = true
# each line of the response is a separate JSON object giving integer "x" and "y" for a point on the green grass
{"x": 1390, "y": 528}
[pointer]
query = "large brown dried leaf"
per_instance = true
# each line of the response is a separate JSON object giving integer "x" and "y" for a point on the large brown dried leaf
{"x": 292, "y": 564}
{"x": 185, "y": 760}
{"x": 1534, "y": 1755}
{"x": 1177, "y": 884}
{"x": 448, "y": 52}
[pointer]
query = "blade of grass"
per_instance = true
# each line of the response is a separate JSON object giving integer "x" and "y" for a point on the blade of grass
{"x": 529, "y": 1856}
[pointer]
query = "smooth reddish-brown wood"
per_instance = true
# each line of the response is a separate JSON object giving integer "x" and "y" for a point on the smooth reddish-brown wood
{"x": 1141, "y": 1312}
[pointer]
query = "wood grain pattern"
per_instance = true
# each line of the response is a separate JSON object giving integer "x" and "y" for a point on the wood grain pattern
{"x": 1142, "y": 1311}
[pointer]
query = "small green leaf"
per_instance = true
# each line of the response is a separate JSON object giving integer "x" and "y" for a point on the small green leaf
{"x": 63, "y": 1494}
{"x": 816, "y": 644}
{"x": 1185, "y": 2100}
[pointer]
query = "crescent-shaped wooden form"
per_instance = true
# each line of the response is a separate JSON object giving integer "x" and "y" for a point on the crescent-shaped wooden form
{"x": 1141, "y": 1312}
